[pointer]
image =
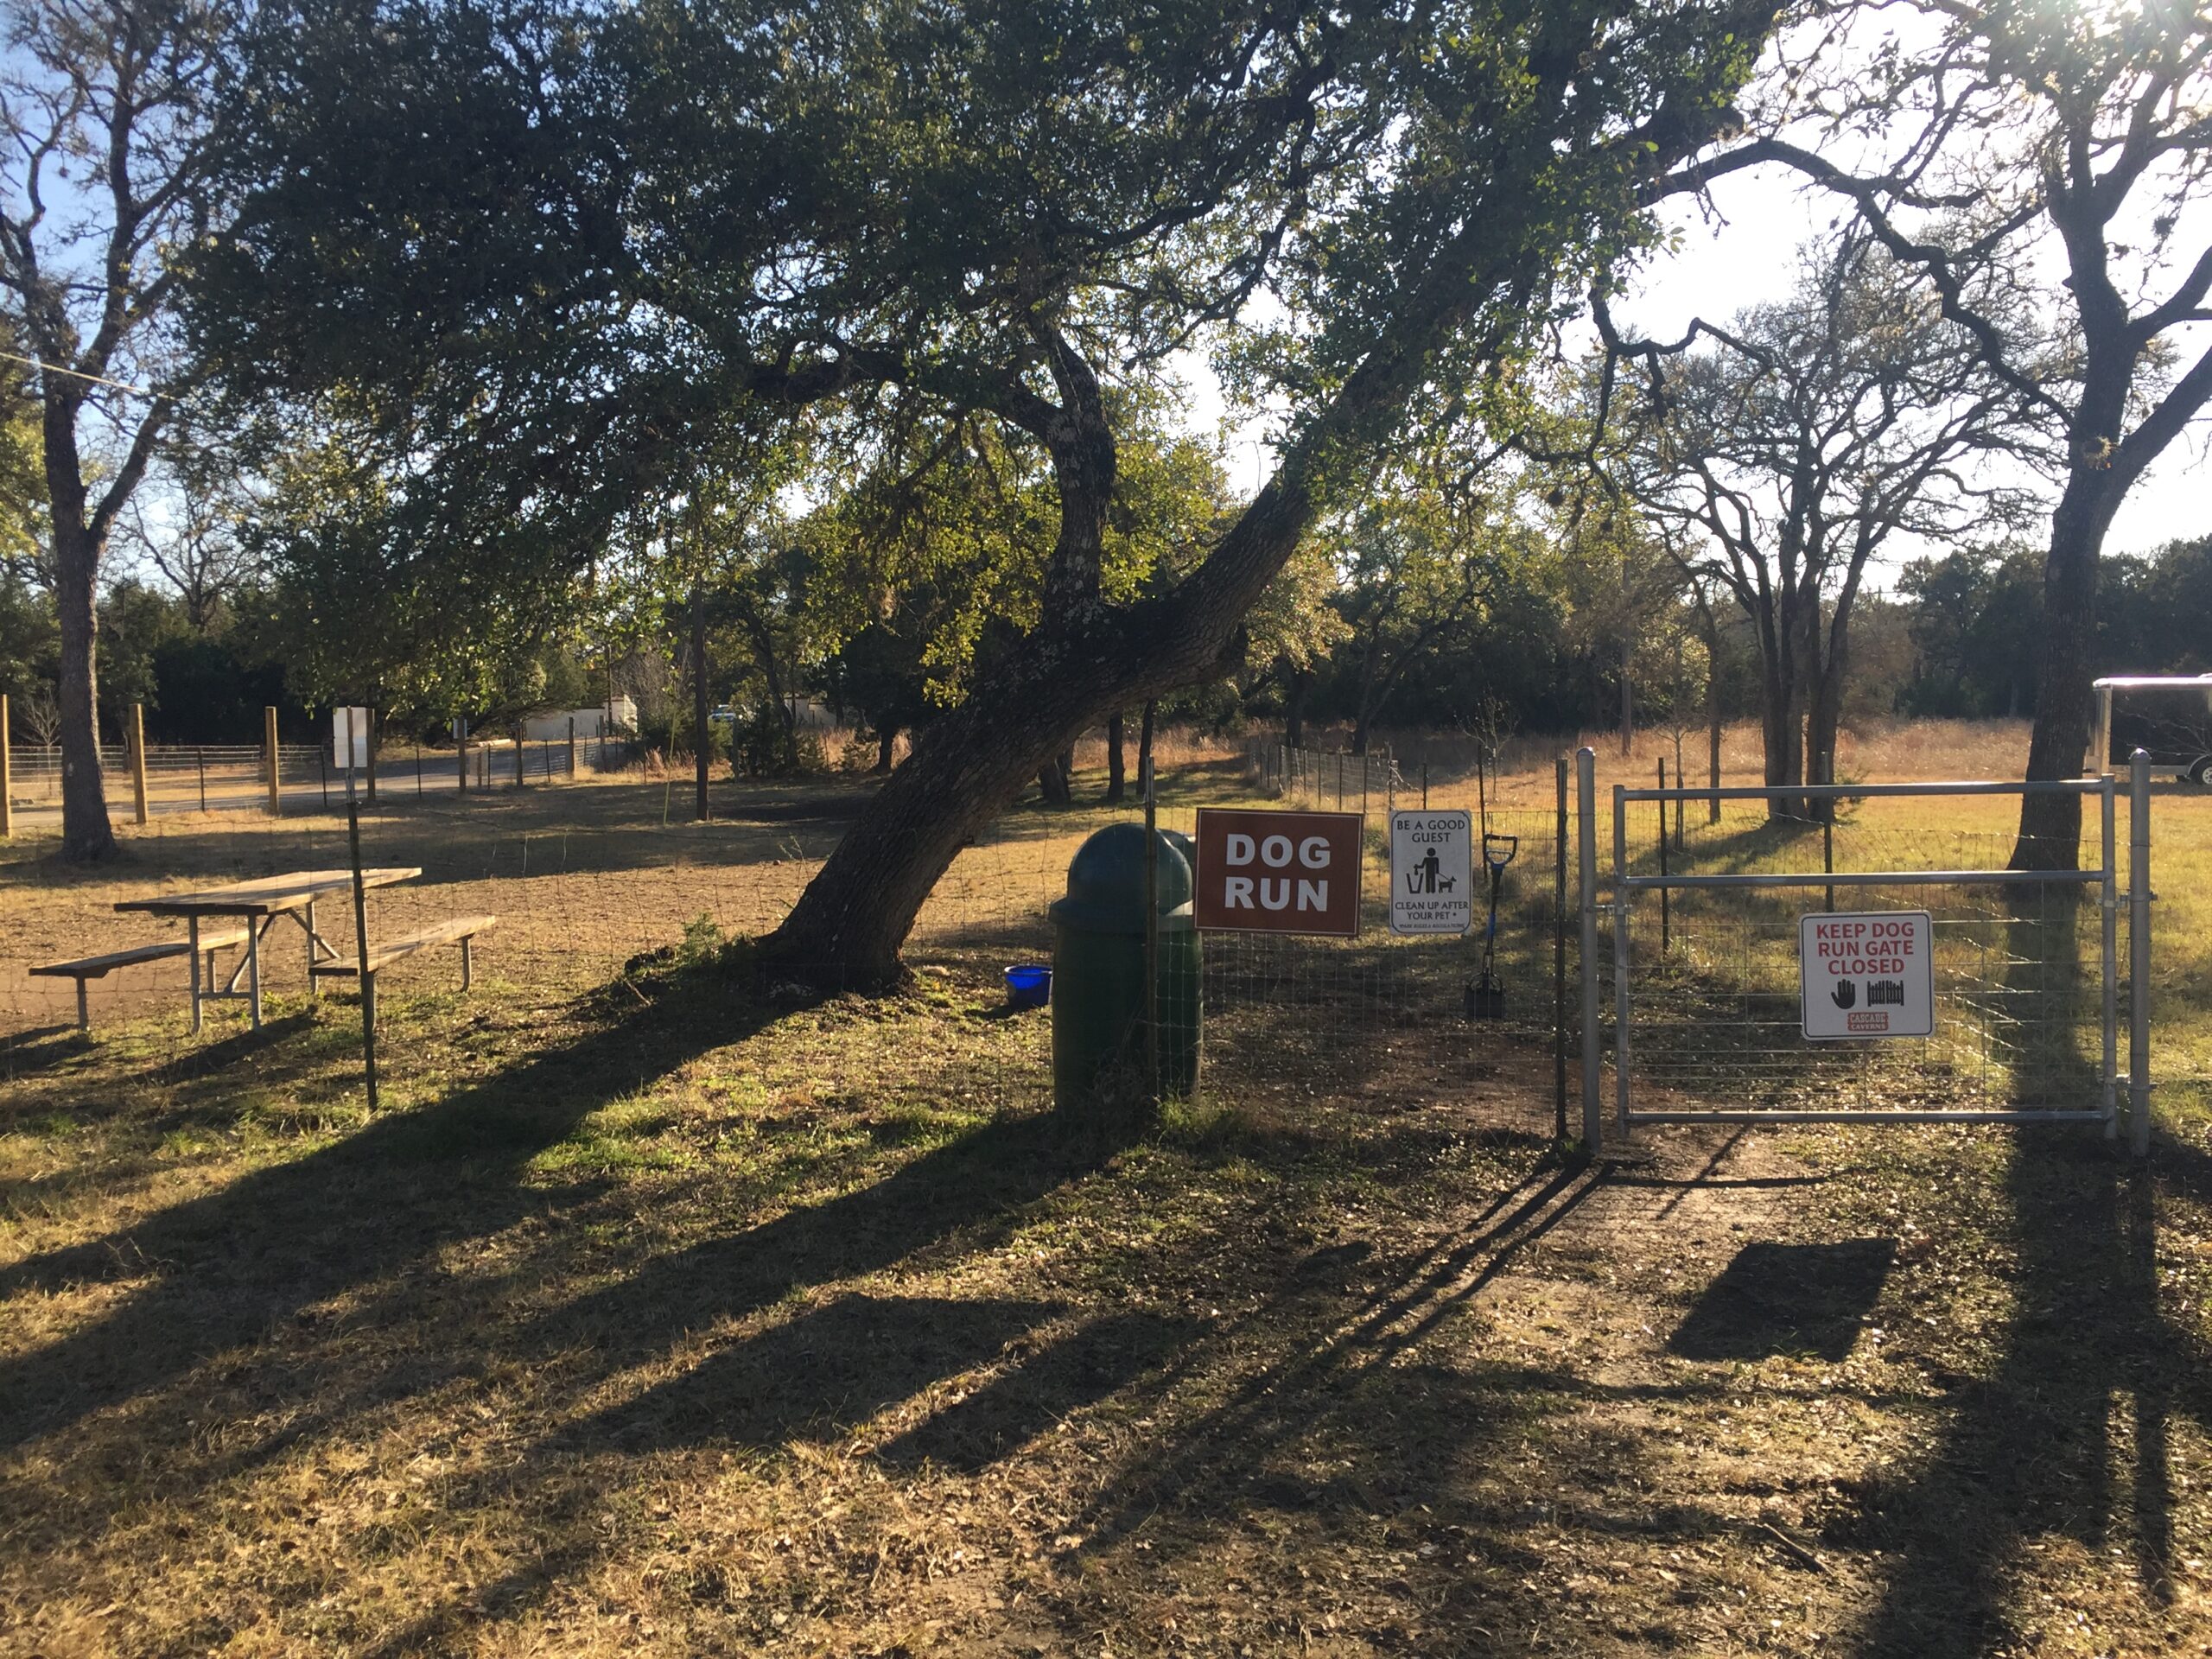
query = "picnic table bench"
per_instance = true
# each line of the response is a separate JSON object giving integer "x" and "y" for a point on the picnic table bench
{"x": 458, "y": 930}
{"x": 81, "y": 968}
{"x": 258, "y": 904}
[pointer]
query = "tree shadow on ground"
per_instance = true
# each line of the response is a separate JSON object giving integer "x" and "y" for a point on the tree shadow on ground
{"x": 2068, "y": 1434}
{"x": 218, "y": 1272}
{"x": 1787, "y": 1299}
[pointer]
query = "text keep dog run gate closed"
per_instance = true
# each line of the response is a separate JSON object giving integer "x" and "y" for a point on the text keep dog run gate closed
{"x": 1867, "y": 974}
{"x": 2104, "y": 877}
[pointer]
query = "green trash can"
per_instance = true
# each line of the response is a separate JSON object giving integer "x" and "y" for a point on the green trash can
{"x": 1099, "y": 1046}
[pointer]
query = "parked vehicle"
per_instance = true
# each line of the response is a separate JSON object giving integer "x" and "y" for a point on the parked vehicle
{"x": 2170, "y": 717}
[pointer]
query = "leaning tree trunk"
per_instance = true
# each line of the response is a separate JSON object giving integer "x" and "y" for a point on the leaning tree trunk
{"x": 971, "y": 762}
{"x": 847, "y": 927}
{"x": 2050, "y": 825}
{"x": 85, "y": 832}
{"x": 845, "y": 932}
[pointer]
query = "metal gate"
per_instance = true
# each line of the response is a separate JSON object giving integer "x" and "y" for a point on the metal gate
{"x": 1705, "y": 1010}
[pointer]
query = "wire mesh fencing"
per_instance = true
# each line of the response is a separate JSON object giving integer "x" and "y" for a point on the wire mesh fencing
{"x": 585, "y": 880}
{"x": 1703, "y": 987}
{"x": 587, "y": 877}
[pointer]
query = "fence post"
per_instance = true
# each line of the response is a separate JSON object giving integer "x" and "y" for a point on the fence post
{"x": 2138, "y": 952}
{"x": 369, "y": 773}
{"x": 1666, "y": 923}
{"x": 1827, "y": 836}
{"x": 1620, "y": 959}
{"x": 2108, "y": 895}
{"x": 322, "y": 770}
{"x": 517, "y": 754}
{"x": 1151, "y": 936}
{"x": 572, "y": 748}
{"x": 1559, "y": 950}
{"x": 1585, "y": 812}
{"x": 199, "y": 757}
{"x": 7, "y": 775}
{"x": 269, "y": 746}
{"x": 360, "y": 923}
{"x": 139, "y": 760}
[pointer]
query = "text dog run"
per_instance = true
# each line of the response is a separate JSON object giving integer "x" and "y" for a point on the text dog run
{"x": 1260, "y": 871}
{"x": 1274, "y": 892}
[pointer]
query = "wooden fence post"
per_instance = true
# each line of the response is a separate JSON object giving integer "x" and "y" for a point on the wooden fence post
{"x": 268, "y": 747}
{"x": 138, "y": 759}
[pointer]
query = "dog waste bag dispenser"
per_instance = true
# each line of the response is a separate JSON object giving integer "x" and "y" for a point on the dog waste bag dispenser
{"x": 1098, "y": 1002}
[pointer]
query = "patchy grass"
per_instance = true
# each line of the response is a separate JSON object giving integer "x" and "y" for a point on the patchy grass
{"x": 665, "y": 1320}
{"x": 653, "y": 1316}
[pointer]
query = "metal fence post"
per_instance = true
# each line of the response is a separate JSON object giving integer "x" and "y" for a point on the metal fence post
{"x": 1620, "y": 959}
{"x": 1585, "y": 812}
{"x": 2108, "y": 895}
{"x": 1666, "y": 921}
{"x": 572, "y": 748}
{"x": 199, "y": 757}
{"x": 7, "y": 775}
{"x": 2138, "y": 952}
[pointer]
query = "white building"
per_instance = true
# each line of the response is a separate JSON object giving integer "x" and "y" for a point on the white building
{"x": 611, "y": 719}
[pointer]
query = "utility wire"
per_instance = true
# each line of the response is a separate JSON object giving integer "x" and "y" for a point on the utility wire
{"x": 75, "y": 374}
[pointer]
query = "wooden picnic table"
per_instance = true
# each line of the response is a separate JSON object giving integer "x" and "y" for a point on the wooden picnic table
{"x": 260, "y": 903}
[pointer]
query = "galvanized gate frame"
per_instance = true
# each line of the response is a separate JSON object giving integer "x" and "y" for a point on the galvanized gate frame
{"x": 1626, "y": 887}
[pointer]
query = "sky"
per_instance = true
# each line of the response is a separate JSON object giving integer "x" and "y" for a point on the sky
{"x": 1736, "y": 250}
{"x": 1742, "y": 251}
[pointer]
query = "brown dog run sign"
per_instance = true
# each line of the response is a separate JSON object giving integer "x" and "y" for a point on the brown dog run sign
{"x": 1267, "y": 872}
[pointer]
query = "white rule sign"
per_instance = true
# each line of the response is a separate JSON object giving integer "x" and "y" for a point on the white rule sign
{"x": 1432, "y": 872}
{"x": 1867, "y": 974}
{"x": 349, "y": 738}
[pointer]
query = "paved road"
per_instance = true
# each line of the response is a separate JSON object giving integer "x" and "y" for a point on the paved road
{"x": 169, "y": 795}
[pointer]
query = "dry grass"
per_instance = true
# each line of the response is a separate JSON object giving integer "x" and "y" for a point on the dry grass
{"x": 654, "y": 1318}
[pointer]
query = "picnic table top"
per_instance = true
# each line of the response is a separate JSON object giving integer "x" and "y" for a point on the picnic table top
{"x": 269, "y": 896}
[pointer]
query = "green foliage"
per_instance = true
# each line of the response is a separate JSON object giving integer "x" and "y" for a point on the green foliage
{"x": 1975, "y": 619}
{"x": 30, "y": 637}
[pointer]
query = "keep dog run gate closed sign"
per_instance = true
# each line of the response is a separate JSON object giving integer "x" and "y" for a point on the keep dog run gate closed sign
{"x": 1867, "y": 974}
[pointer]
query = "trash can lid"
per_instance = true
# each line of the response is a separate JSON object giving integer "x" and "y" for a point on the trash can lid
{"x": 1106, "y": 882}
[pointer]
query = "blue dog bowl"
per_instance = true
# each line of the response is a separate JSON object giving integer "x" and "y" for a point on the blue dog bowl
{"x": 1028, "y": 985}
